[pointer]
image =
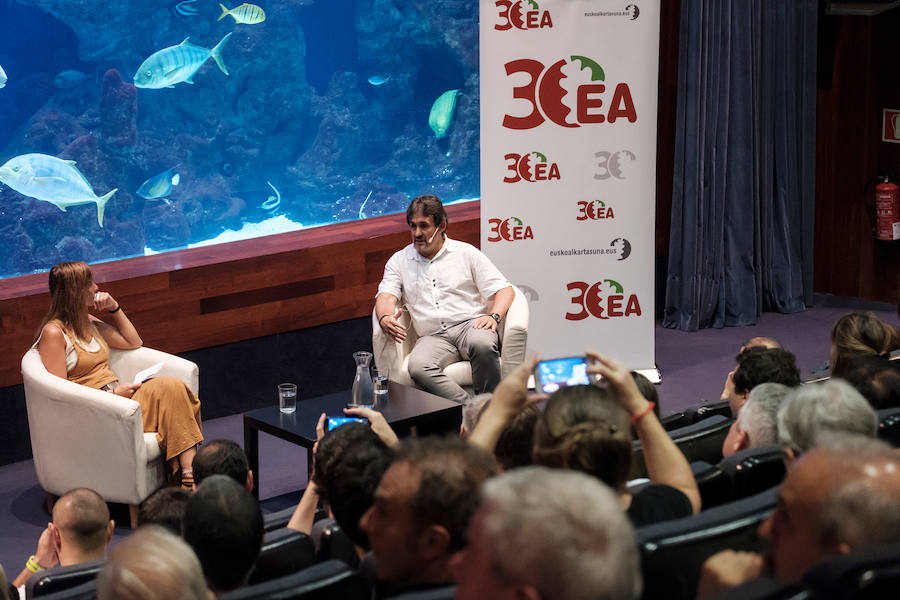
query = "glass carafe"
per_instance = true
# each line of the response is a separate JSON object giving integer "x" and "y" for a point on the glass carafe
{"x": 363, "y": 391}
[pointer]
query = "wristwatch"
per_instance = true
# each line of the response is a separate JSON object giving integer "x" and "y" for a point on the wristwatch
{"x": 496, "y": 317}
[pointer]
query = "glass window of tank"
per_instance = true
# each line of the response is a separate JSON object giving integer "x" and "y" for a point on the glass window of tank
{"x": 164, "y": 125}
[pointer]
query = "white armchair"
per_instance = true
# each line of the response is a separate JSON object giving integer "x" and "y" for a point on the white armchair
{"x": 513, "y": 338}
{"x": 82, "y": 437}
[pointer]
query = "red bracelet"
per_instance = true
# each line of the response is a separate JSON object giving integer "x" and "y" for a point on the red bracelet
{"x": 643, "y": 413}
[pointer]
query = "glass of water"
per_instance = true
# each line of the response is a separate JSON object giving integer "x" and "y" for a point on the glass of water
{"x": 287, "y": 397}
{"x": 380, "y": 379}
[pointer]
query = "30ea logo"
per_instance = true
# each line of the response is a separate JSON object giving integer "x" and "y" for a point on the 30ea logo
{"x": 532, "y": 166}
{"x": 605, "y": 299}
{"x": 522, "y": 14}
{"x": 510, "y": 230}
{"x": 545, "y": 94}
{"x": 595, "y": 210}
{"x": 614, "y": 164}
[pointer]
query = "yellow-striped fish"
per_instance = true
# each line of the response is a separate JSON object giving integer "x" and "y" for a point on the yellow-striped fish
{"x": 245, "y": 13}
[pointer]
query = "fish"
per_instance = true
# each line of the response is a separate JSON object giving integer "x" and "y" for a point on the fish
{"x": 441, "y": 116}
{"x": 165, "y": 68}
{"x": 182, "y": 8}
{"x": 159, "y": 186}
{"x": 2, "y": 77}
{"x": 377, "y": 80}
{"x": 248, "y": 14}
{"x": 362, "y": 213}
{"x": 69, "y": 79}
{"x": 272, "y": 202}
{"x": 52, "y": 180}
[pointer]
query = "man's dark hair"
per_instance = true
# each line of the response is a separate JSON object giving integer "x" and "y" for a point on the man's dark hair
{"x": 224, "y": 526}
{"x": 221, "y": 457}
{"x": 350, "y": 461}
{"x": 647, "y": 390}
{"x": 452, "y": 472}
{"x": 516, "y": 442}
{"x": 757, "y": 365}
{"x": 429, "y": 206}
{"x": 876, "y": 378}
{"x": 165, "y": 507}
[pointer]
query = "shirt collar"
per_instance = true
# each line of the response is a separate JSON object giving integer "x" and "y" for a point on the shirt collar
{"x": 413, "y": 254}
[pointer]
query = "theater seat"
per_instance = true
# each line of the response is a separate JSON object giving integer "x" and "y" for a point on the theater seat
{"x": 699, "y": 442}
{"x": 763, "y": 588}
{"x": 714, "y": 485}
{"x": 889, "y": 425}
{"x": 85, "y": 591}
{"x": 697, "y": 413}
{"x": 513, "y": 337}
{"x": 753, "y": 470}
{"x": 284, "y": 551}
{"x": 82, "y": 437}
{"x": 334, "y": 544}
{"x": 44, "y": 583}
{"x": 325, "y": 581}
{"x": 673, "y": 552}
{"x": 441, "y": 593}
{"x": 868, "y": 573}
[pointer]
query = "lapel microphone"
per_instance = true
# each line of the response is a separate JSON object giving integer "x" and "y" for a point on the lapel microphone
{"x": 436, "y": 231}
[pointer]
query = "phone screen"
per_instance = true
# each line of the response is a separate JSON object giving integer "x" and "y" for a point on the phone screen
{"x": 335, "y": 422}
{"x": 550, "y": 375}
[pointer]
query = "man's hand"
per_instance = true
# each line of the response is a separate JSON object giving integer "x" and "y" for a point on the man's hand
{"x": 485, "y": 322}
{"x": 390, "y": 324}
{"x": 126, "y": 390}
{"x": 377, "y": 422}
{"x": 47, "y": 553}
{"x": 727, "y": 569}
{"x": 728, "y": 389}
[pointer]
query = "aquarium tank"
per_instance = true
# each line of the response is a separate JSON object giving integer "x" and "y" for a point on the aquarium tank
{"x": 133, "y": 128}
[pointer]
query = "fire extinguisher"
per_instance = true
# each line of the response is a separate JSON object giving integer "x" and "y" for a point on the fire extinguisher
{"x": 887, "y": 210}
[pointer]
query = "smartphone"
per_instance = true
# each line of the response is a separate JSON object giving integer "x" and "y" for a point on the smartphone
{"x": 335, "y": 422}
{"x": 550, "y": 375}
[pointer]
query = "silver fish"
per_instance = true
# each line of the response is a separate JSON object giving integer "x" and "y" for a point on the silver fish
{"x": 377, "y": 80}
{"x": 159, "y": 186}
{"x": 182, "y": 8}
{"x": 2, "y": 77}
{"x": 52, "y": 180}
{"x": 178, "y": 63}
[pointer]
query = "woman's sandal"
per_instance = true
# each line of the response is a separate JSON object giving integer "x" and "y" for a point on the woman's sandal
{"x": 187, "y": 479}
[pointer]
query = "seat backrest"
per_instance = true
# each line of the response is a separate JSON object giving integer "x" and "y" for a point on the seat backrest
{"x": 889, "y": 425}
{"x": 334, "y": 544}
{"x": 323, "y": 581}
{"x": 280, "y": 519}
{"x": 702, "y": 411}
{"x": 53, "y": 580}
{"x": 699, "y": 442}
{"x": 862, "y": 574}
{"x": 673, "y": 552}
{"x": 439, "y": 593}
{"x": 753, "y": 470}
{"x": 85, "y": 591}
{"x": 714, "y": 485}
{"x": 764, "y": 588}
{"x": 284, "y": 551}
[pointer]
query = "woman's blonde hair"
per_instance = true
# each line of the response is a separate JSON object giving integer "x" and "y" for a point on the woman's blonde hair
{"x": 68, "y": 281}
{"x": 860, "y": 333}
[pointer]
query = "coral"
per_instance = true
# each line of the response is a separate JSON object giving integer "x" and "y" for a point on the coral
{"x": 118, "y": 113}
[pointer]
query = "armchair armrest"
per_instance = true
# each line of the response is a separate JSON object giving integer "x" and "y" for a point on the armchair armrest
{"x": 127, "y": 363}
{"x": 514, "y": 336}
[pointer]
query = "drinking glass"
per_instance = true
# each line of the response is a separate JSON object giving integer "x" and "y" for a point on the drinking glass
{"x": 380, "y": 380}
{"x": 287, "y": 397}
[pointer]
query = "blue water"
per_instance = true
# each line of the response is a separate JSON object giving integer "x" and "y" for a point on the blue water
{"x": 296, "y": 112}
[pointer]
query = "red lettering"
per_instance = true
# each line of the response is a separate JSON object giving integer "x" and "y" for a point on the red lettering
{"x": 495, "y": 229}
{"x": 614, "y": 305}
{"x": 517, "y": 232}
{"x": 582, "y": 210}
{"x": 539, "y": 172}
{"x": 504, "y": 6}
{"x": 531, "y": 19}
{"x": 554, "y": 171}
{"x": 577, "y": 300}
{"x": 587, "y": 99}
{"x": 528, "y": 234}
{"x": 525, "y": 92}
{"x": 514, "y": 161}
{"x": 609, "y": 213}
{"x": 545, "y": 20}
{"x": 593, "y": 301}
{"x": 622, "y": 105}
{"x": 633, "y": 307}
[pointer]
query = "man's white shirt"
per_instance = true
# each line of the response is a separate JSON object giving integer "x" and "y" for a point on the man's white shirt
{"x": 439, "y": 292}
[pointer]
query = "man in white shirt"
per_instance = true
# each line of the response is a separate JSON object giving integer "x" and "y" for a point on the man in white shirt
{"x": 456, "y": 299}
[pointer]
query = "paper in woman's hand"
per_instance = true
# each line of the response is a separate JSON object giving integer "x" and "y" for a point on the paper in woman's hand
{"x": 147, "y": 373}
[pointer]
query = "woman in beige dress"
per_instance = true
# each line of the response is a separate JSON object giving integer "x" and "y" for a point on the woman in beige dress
{"x": 74, "y": 343}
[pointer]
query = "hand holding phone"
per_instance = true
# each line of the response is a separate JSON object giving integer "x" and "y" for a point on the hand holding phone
{"x": 335, "y": 422}
{"x": 550, "y": 375}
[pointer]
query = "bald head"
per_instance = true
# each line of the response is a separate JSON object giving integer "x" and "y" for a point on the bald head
{"x": 82, "y": 518}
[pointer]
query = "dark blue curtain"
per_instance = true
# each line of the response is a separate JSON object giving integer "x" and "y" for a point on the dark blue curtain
{"x": 744, "y": 186}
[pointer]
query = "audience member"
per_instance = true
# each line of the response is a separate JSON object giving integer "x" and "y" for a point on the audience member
{"x": 4, "y": 587}
{"x": 515, "y": 446}
{"x": 836, "y": 498}
{"x": 814, "y": 412}
{"x": 860, "y": 333}
{"x": 80, "y": 531}
{"x": 471, "y": 410}
{"x": 224, "y": 526}
{"x": 165, "y": 507}
{"x": 222, "y": 457}
{"x": 875, "y": 377}
{"x": 647, "y": 390}
{"x": 548, "y": 533}
{"x": 152, "y": 564}
{"x": 757, "y": 423}
{"x": 421, "y": 510}
{"x": 587, "y": 428}
{"x": 757, "y": 365}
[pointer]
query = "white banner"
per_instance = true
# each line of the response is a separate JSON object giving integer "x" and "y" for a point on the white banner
{"x": 568, "y": 168}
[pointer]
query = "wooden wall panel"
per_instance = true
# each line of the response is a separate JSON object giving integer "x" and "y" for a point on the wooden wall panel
{"x": 214, "y": 295}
